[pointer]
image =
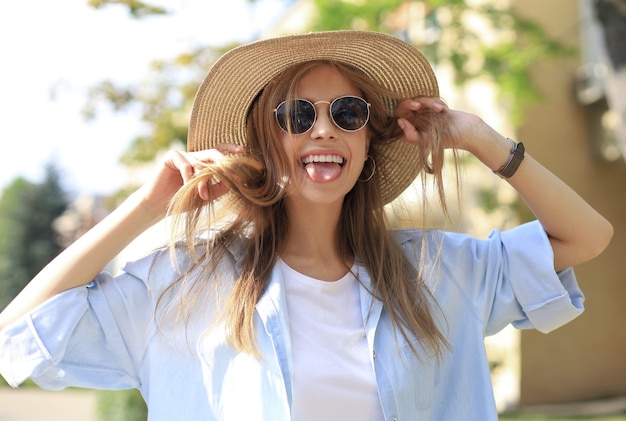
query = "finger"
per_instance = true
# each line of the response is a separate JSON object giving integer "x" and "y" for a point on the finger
{"x": 189, "y": 163}
{"x": 438, "y": 106}
{"x": 203, "y": 190}
{"x": 200, "y": 158}
{"x": 230, "y": 148}
{"x": 219, "y": 189}
{"x": 407, "y": 107}
{"x": 212, "y": 192}
{"x": 434, "y": 104}
{"x": 180, "y": 162}
{"x": 411, "y": 134}
{"x": 410, "y": 107}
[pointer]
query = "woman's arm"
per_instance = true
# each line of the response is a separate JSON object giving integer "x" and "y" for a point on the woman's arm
{"x": 577, "y": 232}
{"x": 84, "y": 259}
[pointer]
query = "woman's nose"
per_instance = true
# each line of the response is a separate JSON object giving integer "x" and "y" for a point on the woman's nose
{"x": 324, "y": 128}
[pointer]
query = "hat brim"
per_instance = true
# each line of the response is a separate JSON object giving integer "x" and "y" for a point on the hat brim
{"x": 224, "y": 97}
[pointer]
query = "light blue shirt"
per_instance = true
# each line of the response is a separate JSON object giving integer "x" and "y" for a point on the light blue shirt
{"x": 104, "y": 335}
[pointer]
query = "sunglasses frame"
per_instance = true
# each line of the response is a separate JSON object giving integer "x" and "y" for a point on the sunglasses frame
{"x": 330, "y": 107}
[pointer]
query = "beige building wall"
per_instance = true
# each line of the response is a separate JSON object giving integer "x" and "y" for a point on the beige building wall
{"x": 586, "y": 359}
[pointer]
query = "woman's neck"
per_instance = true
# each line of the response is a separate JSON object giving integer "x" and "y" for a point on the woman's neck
{"x": 312, "y": 246}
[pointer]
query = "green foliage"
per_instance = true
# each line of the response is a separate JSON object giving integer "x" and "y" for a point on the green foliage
{"x": 137, "y": 9}
{"x": 13, "y": 274}
{"x": 27, "y": 238}
{"x": 488, "y": 199}
{"x": 508, "y": 63}
{"x": 341, "y": 14}
{"x": 124, "y": 405}
{"x": 164, "y": 102}
{"x": 505, "y": 58}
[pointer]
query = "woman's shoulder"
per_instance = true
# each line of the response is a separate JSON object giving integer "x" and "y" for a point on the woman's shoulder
{"x": 162, "y": 266}
{"x": 409, "y": 236}
{"x": 527, "y": 232}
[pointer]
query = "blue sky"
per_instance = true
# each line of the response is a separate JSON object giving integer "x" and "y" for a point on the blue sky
{"x": 53, "y": 51}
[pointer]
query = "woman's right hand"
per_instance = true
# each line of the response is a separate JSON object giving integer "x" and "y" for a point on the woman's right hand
{"x": 178, "y": 168}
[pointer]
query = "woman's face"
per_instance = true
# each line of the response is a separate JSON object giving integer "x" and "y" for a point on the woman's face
{"x": 326, "y": 160}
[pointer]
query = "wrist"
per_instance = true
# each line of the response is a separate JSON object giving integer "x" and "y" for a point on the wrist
{"x": 513, "y": 162}
{"x": 148, "y": 212}
{"x": 491, "y": 148}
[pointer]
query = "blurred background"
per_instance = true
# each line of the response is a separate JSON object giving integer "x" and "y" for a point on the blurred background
{"x": 92, "y": 92}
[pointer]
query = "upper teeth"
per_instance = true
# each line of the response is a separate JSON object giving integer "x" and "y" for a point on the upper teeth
{"x": 322, "y": 158}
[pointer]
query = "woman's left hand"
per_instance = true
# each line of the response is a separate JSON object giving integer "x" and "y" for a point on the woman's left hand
{"x": 413, "y": 127}
{"x": 461, "y": 130}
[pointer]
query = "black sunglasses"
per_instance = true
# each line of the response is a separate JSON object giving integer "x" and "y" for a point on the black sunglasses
{"x": 349, "y": 113}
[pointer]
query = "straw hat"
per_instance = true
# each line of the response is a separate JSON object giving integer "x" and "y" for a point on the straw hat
{"x": 230, "y": 86}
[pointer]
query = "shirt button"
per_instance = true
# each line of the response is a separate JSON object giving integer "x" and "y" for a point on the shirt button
{"x": 374, "y": 356}
{"x": 393, "y": 419}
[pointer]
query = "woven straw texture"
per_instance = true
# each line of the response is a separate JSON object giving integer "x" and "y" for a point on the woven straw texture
{"x": 224, "y": 97}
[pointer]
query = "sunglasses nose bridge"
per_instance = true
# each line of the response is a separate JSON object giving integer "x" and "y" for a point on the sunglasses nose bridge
{"x": 326, "y": 113}
{"x": 321, "y": 102}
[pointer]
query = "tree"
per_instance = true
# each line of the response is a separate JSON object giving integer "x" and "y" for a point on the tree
{"x": 27, "y": 238}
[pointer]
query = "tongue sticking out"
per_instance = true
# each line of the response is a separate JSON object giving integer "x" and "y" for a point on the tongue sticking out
{"x": 323, "y": 171}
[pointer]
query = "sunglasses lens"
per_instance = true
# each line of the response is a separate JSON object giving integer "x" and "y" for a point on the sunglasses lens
{"x": 350, "y": 113}
{"x": 300, "y": 118}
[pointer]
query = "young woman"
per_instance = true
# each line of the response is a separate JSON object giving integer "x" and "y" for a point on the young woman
{"x": 288, "y": 296}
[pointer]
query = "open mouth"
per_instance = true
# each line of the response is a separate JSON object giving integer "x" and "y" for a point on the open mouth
{"x": 324, "y": 159}
{"x": 322, "y": 168}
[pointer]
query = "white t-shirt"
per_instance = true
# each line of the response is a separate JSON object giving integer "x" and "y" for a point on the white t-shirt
{"x": 333, "y": 378}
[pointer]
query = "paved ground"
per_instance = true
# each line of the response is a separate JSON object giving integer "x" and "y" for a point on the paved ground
{"x": 31, "y": 404}
{"x": 603, "y": 407}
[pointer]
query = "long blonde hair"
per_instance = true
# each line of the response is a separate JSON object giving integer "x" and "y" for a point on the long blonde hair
{"x": 256, "y": 215}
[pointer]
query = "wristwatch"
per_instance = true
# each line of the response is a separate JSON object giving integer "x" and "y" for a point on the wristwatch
{"x": 516, "y": 158}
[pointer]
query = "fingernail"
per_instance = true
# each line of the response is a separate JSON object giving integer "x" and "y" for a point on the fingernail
{"x": 401, "y": 124}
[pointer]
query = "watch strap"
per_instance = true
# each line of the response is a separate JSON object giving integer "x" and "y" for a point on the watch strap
{"x": 514, "y": 161}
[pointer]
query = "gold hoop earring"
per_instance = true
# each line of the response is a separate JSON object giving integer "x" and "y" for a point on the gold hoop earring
{"x": 373, "y": 170}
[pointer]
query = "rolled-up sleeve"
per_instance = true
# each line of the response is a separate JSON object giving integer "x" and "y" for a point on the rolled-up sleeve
{"x": 31, "y": 346}
{"x": 549, "y": 299}
{"x": 514, "y": 282}
{"x": 507, "y": 278}
{"x": 89, "y": 336}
